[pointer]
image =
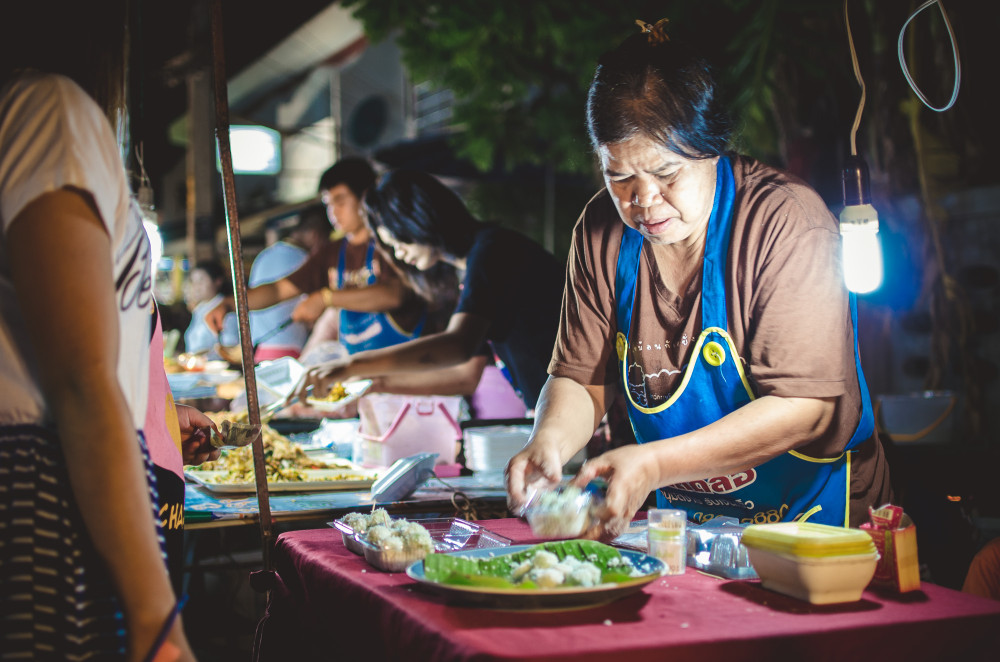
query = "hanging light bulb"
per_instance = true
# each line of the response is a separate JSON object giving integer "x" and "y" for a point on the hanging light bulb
{"x": 862, "y": 254}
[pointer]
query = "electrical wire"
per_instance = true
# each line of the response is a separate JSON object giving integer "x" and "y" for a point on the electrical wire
{"x": 954, "y": 51}
{"x": 902, "y": 64}
{"x": 143, "y": 175}
{"x": 861, "y": 82}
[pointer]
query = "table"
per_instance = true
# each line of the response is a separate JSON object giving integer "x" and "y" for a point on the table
{"x": 330, "y": 604}
{"x": 217, "y": 537}
{"x": 205, "y": 509}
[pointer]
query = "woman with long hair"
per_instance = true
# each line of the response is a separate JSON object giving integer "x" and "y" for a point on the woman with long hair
{"x": 510, "y": 288}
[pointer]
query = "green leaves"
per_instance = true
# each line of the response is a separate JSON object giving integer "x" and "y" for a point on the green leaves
{"x": 495, "y": 572}
{"x": 520, "y": 71}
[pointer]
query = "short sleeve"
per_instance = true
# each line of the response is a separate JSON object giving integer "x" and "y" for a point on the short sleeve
{"x": 800, "y": 332}
{"x": 313, "y": 274}
{"x": 482, "y": 285}
{"x": 53, "y": 135}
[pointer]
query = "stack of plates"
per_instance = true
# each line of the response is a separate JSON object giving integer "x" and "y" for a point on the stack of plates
{"x": 488, "y": 449}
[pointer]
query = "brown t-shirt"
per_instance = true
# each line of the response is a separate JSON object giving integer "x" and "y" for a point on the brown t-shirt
{"x": 787, "y": 310}
{"x": 320, "y": 270}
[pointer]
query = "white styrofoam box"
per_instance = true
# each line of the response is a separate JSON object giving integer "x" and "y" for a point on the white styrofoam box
{"x": 488, "y": 449}
{"x": 820, "y": 581}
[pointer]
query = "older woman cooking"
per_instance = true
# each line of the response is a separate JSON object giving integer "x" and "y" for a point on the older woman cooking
{"x": 708, "y": 287}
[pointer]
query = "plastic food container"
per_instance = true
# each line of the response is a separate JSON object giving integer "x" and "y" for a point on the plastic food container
{"x": 390, "y": 560}
{"x": 563, "y": 512}
{"x": 666, "y": 539}
{"x": 349, "y": 537}
{"x": 814, "y": 562}
{"x": 448, "y": 534}
{"x": 715, "y": 547}
{"x": 487, "y": 449}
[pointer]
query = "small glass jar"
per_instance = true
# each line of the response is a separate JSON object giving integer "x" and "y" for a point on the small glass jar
{"x": 667, "y": 538}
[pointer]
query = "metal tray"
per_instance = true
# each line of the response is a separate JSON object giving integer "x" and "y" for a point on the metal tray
{"x": 317, "y": 480}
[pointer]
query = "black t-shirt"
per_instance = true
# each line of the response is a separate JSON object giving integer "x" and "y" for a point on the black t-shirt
{"x": 517, "y": 285}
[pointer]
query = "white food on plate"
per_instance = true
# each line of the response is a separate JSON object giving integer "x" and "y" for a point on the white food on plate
{"x": 547, "y": 571}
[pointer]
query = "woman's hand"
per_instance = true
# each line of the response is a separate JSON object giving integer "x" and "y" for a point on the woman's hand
{"x": 537, "y": 466}
{"x": 309, "y": 309}
{"x": 196, "y": 446}
{"x": 215, "y": 317}
{"x": 318, "y": 380}
{"x": 565, "y": 418}
{"x": 630, "y": 474}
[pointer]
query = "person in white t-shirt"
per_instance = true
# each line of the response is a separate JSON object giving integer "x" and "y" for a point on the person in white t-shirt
{"x": 81, "y": 562}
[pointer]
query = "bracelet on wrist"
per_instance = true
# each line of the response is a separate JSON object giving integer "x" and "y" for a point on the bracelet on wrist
{"x": 327, "y": 295}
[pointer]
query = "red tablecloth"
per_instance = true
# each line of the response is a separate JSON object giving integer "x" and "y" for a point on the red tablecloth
{"x": 330, "y": 604}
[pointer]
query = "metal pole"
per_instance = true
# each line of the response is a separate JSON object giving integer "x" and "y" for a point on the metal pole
{"x": 239, "y": 280}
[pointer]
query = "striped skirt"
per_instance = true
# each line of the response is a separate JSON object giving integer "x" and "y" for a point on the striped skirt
{"x": 56, "y": 601}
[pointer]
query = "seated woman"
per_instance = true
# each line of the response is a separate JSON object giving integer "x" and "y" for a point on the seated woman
{"x": 511, "y": 289}
{"x": 205, "y": 287}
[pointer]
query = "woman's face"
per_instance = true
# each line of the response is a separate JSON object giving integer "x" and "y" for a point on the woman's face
{"x": 199, "y": 287}
{"x": 666, "y": 197}
{"x": 416, "y": 255}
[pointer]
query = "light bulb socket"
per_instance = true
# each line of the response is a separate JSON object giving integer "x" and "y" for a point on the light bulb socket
{"x": 857, "y": 186}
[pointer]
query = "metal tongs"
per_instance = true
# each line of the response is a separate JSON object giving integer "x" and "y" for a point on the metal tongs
{"x": 235, "y": 434}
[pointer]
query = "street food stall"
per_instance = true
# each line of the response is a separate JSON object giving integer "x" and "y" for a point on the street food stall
{"x": 504, "y": 588}
{"x": 324, "y": 593}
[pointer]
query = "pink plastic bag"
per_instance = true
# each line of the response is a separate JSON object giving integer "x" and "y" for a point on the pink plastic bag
{"x": 397, "y": 426}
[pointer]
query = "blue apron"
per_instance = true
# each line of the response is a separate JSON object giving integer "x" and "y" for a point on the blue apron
{"x": 360, "y": 331}
{"x": 790, "y": 486}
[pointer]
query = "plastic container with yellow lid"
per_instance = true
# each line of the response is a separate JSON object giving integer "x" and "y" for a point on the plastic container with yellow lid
{"x": 808, "y": 539}
{"x": 815, "y": 562}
